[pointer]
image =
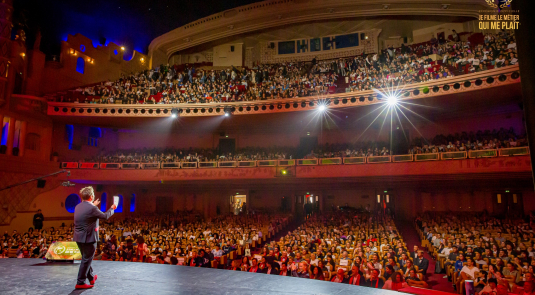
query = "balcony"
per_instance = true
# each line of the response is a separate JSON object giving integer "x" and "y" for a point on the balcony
{"x": 455, "y": 85}
{"x": 406, "y": 166}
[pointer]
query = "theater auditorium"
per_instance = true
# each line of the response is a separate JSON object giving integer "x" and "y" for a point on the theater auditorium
{"x": 268, "y": 147}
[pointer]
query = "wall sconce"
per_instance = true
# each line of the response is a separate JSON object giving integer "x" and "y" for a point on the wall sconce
{"x": 71, "y": 51}
{"x": 23, "y": 54}
{"x": 142, "y": 60}
{"x": 88, "y": 59}
{"x": 122, "y": 48}
{"x": 92, "y": 60}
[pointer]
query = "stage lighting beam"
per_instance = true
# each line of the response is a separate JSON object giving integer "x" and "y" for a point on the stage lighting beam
{"x": 392, "y": 100}
{"x": 322, "y": 107}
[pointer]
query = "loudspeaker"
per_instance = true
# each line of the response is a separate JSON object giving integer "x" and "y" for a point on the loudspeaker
{"x": 41, "y": 183}
{"x": 99, "y": 187}
{"x": 362, "y": 36}
{"x": 221, "y": 134}
{"x": 272, "y": 45}
{"x": 405, "y": 40}
{"x": 232, "y": 48}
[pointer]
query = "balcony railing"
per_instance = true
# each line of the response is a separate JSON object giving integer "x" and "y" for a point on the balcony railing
{"x": 483, "y": 154}
{"x": 517, "y": 151}
{"x": 453, "y": 155}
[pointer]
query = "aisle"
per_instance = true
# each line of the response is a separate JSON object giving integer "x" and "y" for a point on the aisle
{"x": 435, "y": 281}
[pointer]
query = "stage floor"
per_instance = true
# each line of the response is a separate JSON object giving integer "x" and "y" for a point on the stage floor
{"x": 35, "y": 276}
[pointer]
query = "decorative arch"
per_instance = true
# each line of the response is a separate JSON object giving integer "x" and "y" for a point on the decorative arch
{"x": 80, "y": 65}
{"x": 71, "y": 201}
{"x": 103, "y": 201}
{"x": 120, "y": 206}
{"x": 133, "y": 203}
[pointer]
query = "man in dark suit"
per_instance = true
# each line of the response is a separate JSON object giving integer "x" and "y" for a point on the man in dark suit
{"x": 421, "y": 262}
{"x": 269, "y": 269}
{"x": 86, "y": 216}
{"x": 374, "y": 281}
{"x": 414, "y": 254}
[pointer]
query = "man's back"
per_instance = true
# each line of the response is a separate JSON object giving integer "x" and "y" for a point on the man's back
{"x": 86, "y": 217}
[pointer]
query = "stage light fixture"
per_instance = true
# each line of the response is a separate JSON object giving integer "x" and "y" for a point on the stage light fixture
{"x": 392, "y": 100}
{"x": 322, "y": 107}
{"x": 174, "y": 113}
{"x": 227, "y": 111}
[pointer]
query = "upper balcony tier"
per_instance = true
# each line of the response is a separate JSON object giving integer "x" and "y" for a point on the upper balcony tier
{"x": 457, "y": 85}
{"x": 270, "y": 14}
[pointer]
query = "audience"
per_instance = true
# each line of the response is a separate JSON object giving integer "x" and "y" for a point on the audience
{"x": 494, "y": 253}
{"x": 392, "y": 67}
{"x": 465, "y": 141}
{"x": 341, "y": 246}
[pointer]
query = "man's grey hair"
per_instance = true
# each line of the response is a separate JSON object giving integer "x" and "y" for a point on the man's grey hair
{"x": 87, "y": 193}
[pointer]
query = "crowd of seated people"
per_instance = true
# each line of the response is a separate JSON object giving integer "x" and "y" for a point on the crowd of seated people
{"x": 465, "y": 141}
{"x": 497, "y": 254}
{"x": 169, "y": 84}
{"x": 412, "y": 64}
{"x": 393, "y": 66}
{"x": 170, "y": 155}
{"x": 341, "y": 247}
{"x": 178, "y": 238}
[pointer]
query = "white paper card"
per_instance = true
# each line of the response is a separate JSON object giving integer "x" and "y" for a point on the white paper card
{"x": 343, "y": 262}
{"x": 116, "y": 201}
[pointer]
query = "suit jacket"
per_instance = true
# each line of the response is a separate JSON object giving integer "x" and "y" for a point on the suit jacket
{"x": 361, "y": 282}
{"x": 274, "y": 271}
{"x": 287, "y": 274}
{"x": 422, "y": 265}
{"x": 86, "y": 216}
{"x": 379, "y": 283}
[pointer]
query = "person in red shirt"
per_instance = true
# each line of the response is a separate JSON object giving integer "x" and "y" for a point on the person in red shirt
{"x": 284, "y": 270}
{"x": 339, "y": 277}
{"x": 356, "y": 277}
{"x": 193, "y": 259}
{"x": 255, "y": 267}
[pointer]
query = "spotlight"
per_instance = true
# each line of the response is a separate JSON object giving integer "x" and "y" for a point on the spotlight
{"x": 391, "y": 100}
{"x": 226, "y": 114}
{"x": 321, "y": 108}
{"x": 228, "y": 111}
{"x": 174, "y": 113}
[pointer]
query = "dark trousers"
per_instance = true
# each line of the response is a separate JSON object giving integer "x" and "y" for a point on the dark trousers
{"x": 88, "y": 252}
